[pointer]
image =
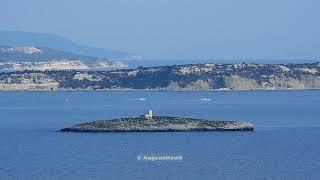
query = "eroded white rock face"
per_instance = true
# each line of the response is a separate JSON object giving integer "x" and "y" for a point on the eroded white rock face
{"x": 236, "y": 82}
{"x": 103, "y": 63}
{"x": 52, "y": 65}
{"x": 32, "y": 81}
{"x": 284, "y": 68}
{"x": 133, "y": 73}
{"x": 25, "y": 50}
{"x": 199, "y": 85}
{"x": 86, "y": 76}
{"x": 188, "y": 70}
{"x": 309, "y": 70}
{"x": 210, "y": 68}
{"x": 60, "y": 65}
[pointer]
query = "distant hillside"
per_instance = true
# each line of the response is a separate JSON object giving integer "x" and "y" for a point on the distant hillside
{"x": 36, "y": 54}
{"x": 20, "y": 38}
{"x": 196, "y": 77}
{"x": 39, "y": 58}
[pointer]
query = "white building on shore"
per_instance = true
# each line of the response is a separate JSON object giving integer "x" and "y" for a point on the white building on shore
{"x": 149, "y": 114}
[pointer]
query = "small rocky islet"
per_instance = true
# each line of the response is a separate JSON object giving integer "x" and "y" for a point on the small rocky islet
{"x": 149, "y": 123}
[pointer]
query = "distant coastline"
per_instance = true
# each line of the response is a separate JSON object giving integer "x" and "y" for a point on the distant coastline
{"x": 157, "y": 90}
{"x": 190, "y": 77}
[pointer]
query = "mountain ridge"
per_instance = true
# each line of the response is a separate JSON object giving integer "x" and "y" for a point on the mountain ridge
{"x": 34, "y": 54}
{"x": 56, "y": 42}
{"x": 35, "y": 58}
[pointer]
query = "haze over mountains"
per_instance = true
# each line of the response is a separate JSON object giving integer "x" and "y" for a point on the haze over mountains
{"x": 52, "y": 41}
{"x": 37, "y": 51}
{"x": 36, "y": 54}
{"x": 35, "y": 58}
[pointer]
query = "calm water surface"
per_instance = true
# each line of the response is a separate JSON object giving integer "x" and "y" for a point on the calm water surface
{"x": 285, "y": 144}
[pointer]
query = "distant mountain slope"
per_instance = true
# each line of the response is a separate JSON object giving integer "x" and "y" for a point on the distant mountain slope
{"x": 35, "y": 58}
{"x": 20, "y": 38}
{"x": 196, "y": 77}
{"x": 36, "y": 54}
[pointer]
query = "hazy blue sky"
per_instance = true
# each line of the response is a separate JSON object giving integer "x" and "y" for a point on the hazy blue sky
{"x": 177, "y": 28}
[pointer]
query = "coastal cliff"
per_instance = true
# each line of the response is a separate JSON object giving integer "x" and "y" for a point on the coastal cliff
{"x": 193, "y": 77}
{"x": 159, "y": 124}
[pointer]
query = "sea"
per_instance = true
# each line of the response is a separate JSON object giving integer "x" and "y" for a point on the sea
{"x": 285, "y": 143}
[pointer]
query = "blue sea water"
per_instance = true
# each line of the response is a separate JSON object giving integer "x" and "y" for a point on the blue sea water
{"x": 285, "y": 144}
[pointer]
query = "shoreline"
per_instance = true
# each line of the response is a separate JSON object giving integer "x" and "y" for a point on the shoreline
{"x": 70, "y": 130}
{"x": 176, "y": 78}
{"x": 157, "y": 90}
{"x": 150, "y": 123}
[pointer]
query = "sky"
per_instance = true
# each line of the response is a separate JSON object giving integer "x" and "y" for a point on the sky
{"x": 177, "y": 29}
